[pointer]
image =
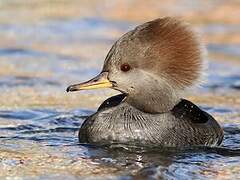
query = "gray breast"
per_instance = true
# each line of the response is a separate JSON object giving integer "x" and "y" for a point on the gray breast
{"x": 121, "y": 123}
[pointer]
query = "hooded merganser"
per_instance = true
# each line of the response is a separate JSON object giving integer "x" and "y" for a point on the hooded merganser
{"x": 151, "y": 66}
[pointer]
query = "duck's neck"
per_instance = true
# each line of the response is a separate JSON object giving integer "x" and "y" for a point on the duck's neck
{"x": 154, "y": 102}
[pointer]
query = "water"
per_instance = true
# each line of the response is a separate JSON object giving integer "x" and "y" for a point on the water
{"x": 41, "y": 54}
{"x": 54, "y": 132}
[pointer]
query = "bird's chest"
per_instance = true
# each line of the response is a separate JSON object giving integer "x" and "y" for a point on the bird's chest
{"x": 123, "y": 125}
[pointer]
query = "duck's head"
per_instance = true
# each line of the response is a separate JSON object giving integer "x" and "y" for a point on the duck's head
{"x": 152, "y": 64}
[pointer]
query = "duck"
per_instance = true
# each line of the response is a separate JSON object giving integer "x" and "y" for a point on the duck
{"x": 152, "y": 66}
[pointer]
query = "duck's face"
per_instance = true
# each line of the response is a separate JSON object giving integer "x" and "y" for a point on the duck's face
{"x": 127, "y": 66}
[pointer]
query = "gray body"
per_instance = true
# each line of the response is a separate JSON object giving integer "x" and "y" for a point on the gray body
{"x": 185, "y": 125}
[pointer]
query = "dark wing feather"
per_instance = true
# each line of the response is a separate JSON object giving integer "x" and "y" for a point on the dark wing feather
{"x": 112, "y": 101}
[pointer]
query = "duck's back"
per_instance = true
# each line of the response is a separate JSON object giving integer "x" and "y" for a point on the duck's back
{"x": 118, "y": 122}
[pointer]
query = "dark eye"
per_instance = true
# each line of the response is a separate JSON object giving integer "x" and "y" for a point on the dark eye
{"x": 125, "y": 67}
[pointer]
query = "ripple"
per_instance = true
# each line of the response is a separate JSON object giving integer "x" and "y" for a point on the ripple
{"x": 26, "y": 53}
{"x": 15, "y": 81}
{"x": 222, "y": 77}
{"x": 232, "y": 49}
{"x": 43, "y": 125}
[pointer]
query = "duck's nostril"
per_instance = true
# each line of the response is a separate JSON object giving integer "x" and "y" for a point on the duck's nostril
{"x": 114, "y": 83}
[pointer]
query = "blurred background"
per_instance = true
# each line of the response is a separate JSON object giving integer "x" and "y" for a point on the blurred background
{"x": 46, "y": 45}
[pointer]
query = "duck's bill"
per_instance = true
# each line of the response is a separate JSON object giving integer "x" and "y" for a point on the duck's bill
{"x": 100, "y": 81}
